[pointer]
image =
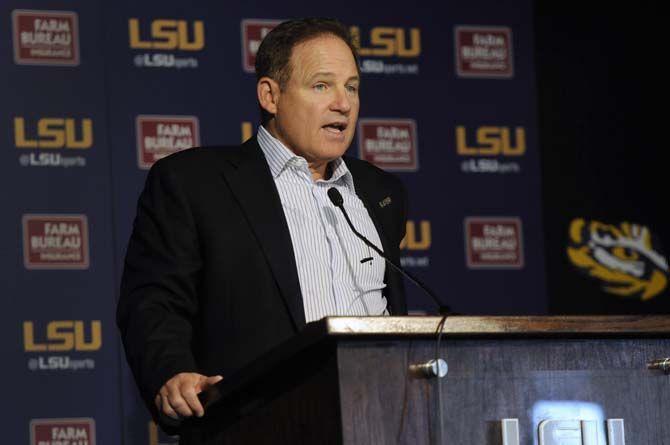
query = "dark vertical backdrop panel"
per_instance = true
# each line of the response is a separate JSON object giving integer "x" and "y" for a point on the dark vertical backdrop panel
{"x": 603, "y": 156}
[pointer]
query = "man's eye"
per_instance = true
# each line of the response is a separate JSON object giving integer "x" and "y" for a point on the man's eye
{"x": 320, "y": 87}
{"x": 352, "y": 88}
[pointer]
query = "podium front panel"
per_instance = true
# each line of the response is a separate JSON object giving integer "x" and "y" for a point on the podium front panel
{"x": 565, "y": 390}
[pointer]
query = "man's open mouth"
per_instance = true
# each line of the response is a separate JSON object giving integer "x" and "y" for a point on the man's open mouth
{"x": 336, "y": 127}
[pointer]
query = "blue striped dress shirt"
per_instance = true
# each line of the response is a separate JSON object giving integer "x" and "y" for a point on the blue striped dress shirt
{"x": 328, "y": 255}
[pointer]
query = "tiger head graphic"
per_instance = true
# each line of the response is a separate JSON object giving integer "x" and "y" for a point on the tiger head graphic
{"x": 622, "y": 257}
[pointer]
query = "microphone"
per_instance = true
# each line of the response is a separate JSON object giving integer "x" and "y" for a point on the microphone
{"x": 338, "y": 201}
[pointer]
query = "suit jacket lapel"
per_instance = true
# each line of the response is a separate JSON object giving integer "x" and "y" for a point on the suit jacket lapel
{"x": 364, "y": 192}
{"x": 250, "y": 180}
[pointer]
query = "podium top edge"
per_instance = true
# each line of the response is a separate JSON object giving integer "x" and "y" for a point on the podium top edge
{"x": 457, "y": 325}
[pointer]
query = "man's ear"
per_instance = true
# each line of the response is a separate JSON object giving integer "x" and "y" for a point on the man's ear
{"x": 267, "y": 90}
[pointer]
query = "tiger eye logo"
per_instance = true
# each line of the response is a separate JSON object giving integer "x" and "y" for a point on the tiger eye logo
{"x": 622, "y": 257}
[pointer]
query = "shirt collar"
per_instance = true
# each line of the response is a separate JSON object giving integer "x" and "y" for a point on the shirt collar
{"x": 279, "y": 157}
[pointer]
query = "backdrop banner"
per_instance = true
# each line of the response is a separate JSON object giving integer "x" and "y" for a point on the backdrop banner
{"x": 95, "y": 93}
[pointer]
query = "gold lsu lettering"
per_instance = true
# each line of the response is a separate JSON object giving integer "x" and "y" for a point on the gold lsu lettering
{"x": 247, "y": 131}
{"x": 414, "y": 241}
{"x": 54, "y": 133}
{"x": 168, "y": 34}
{"x": 388, "y": 42}
{"x": 63, "y": 335}
{"x": 491, "y": 141}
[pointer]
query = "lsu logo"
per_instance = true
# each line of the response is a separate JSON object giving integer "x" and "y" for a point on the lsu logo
{"x": 63, "y": 335}
{"x": 622, "y": 257}
{"x": 53, "y": 132}
{"x": 165, "y": 34}
{"x": 247, "y": 131}
{"x": 384, "y": 41}
{"x": 417, "y": 239}
{"x": 491, "y": 141}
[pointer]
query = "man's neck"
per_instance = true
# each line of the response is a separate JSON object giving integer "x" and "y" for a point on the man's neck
{"x": 319, "y": 169}
{"x": 323, "y": 171}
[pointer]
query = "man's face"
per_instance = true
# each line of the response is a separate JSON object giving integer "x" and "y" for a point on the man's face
{"x": 317, "y": 109}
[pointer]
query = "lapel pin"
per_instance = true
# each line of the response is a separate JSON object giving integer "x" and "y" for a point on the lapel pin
{"x": 384, "y": 202}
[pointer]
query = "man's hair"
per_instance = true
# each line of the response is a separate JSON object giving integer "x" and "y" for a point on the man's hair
{"x": 274, "y": 54}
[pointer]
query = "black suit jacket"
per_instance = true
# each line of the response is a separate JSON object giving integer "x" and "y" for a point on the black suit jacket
{"x": 210, "y": 281}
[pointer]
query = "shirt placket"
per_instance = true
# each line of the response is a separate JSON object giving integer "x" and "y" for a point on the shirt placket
{"x": 336, "y": 276}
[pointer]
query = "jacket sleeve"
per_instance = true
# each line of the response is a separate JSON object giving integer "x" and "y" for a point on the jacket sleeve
{"x": 158, "y": 302}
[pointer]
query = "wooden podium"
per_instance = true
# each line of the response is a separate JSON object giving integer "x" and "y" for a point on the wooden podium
{"x": 556, "y": 380}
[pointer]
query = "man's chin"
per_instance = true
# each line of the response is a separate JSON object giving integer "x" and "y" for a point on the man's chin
{"x": 335, "y": 148}
{"x": 334, "y": 152}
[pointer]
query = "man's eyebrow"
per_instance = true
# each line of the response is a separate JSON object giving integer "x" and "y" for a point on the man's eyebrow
{"x": 329, "y": 74}
{"x": 321, "y": 74}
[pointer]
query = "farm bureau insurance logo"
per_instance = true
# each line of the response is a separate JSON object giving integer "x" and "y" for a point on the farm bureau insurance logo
{"x": 160, "y": 136}
{"x": 161, "y": 42}
{"x": 416, "y": 244}
{"x": 73, "y": 339}
{"x": 53, "y": 141}
{"x": 625, "y": 258}
{"x": 493, "y": 243}
{"x": 78, "y": 431}
{"x": 489, "y": 149}
{"x": 55, "y": 241}
{"x": 45, "y": 37}
{"x": 484, "y": 51}
{"x": 390, "y": 144}
{"x": 253, "y": 32}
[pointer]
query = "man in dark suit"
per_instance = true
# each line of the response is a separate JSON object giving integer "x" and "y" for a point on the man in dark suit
{"x": 234, "y": 249}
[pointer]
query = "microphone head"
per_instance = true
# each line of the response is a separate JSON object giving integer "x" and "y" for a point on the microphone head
{"x": 335, "y": 197}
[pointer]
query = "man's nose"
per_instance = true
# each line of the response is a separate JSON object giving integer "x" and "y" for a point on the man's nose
{"x": 341, "y": 101}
